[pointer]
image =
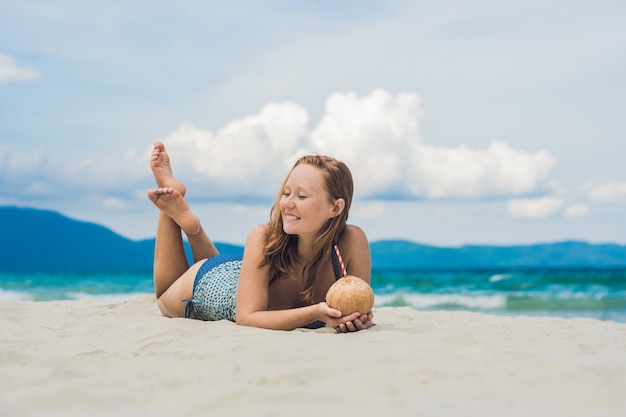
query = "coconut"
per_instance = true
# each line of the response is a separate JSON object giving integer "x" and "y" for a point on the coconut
{"x": 350, "y": 294}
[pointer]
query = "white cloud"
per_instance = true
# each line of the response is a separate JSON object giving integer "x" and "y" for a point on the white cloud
{"x": 104, "y": 174}
{"x": 245, "y": 154}
{"x": 606, "y": 193}
{"x": 14, "y": 162}
{"x": 10, "y": 71}
{"x": 532, "y": 208}
{"x": 114, "y": 203}
{"x": 369, "y": 209}
{"x": 499, "y": 170}
{"x": 576, "y": 210}
{"x": 373, "y": 135}
{"x": 378, "y": 137}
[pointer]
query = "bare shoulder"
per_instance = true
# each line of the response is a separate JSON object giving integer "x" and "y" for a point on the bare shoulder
{"x": 255, "y": 242}
{"x": 354, "y": 235}
{"x": 257, "y": 233}
{"x": 355, "y": 249}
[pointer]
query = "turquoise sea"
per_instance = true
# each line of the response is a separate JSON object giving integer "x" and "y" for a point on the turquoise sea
{"x": 594, "y": 293}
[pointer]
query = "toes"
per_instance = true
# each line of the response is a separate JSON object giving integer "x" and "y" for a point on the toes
{"x": 158, "y": 147}
{"x": 164, "y": 190}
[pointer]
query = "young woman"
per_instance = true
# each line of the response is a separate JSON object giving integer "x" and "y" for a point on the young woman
{"x": 288, "y": 264}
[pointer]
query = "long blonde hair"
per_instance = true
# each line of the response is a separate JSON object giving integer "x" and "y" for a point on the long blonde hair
{"x": 281, "y": 249}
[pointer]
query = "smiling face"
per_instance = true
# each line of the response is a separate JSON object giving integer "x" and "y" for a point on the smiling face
{"x": 305, "y": 205}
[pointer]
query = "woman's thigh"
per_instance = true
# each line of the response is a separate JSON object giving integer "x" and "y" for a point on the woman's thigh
{"x": 173, "y": 301}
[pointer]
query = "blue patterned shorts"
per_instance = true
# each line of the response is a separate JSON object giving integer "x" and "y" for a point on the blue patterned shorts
{"x": 215, "y": 289}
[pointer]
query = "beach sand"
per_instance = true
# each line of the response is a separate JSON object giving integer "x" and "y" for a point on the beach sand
{"x": 112, "y": 358}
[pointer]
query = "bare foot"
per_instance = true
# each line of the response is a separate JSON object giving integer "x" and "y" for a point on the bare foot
{"x": 162, "y": 170}
{"x": 171, "y": 202}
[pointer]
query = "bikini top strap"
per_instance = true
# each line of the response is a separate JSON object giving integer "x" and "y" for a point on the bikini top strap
{"x": 338, "y": 266}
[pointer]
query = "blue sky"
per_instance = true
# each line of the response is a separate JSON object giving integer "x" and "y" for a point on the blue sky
{"x": 495, "y": 122}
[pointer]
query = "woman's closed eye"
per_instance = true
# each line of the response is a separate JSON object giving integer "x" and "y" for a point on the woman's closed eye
{"x": 300, "y": 196}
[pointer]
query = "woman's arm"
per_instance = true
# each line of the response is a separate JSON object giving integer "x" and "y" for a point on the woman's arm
{"x": 253, "y": 295}
{"x": 253, "y": 291}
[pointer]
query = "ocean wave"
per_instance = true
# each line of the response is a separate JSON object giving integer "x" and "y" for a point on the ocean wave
{"x": 10, "y": 295}
{"x": 565, "y": 293}
{"x": 443, "y": 301}
{"x": 14, "y": 296}
{"x": 499, "y": 277}
{"x": 564, "y": 301}
{"x": 573, "y": 303}
{"x": 109, "y": 297}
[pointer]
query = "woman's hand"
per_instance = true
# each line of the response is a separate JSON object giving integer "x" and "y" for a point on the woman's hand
{"x": 361, "y": 322}
{"x": 344, "y": 324}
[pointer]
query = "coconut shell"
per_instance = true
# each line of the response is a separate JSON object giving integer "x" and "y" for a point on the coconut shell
{"x": 350, "y": 294}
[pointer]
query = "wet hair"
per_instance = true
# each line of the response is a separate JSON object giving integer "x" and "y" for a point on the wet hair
{"x": 281, "y": 249}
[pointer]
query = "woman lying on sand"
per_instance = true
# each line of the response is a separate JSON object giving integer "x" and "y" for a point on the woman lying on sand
{"x": 288, "y": 264}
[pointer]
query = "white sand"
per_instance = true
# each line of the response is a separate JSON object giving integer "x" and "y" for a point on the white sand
{"x": 98, "y": 358}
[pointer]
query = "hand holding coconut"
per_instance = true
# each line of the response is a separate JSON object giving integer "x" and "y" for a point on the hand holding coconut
{"x": 350, "y": 295}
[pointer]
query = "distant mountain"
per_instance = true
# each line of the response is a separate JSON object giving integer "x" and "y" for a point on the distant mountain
{"x": 34, "y": 240}
{"x": 398, "y": 254}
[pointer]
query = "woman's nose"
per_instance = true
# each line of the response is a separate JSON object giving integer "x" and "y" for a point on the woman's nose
{"x": 289, "y": 201}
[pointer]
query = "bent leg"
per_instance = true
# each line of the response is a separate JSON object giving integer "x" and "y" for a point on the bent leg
{"x": 170, "y": 261}
{"x": 173, "y": 301}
